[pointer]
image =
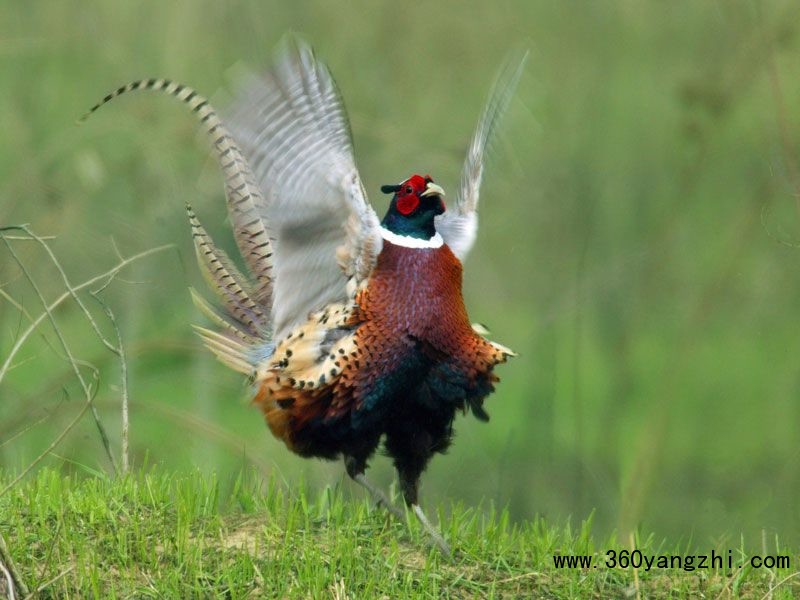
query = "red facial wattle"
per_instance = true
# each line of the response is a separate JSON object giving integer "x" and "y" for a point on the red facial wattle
{"x": 407, "y": 203}
{"x": 409, "y": 193}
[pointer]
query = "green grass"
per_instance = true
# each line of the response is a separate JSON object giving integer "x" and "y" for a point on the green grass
{"x": 162, "y": 535}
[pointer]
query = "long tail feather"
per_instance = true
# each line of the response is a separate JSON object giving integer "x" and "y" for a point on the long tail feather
{"x": 229, "y": 351}
{"x": 242, "y": 193}
{"x": 221, "y": 321}
{"x": 224, "y": 278}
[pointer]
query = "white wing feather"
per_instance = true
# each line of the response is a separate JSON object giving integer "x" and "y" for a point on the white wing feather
{"x": 459, "y": 225}
{"x": 293, "y": 128}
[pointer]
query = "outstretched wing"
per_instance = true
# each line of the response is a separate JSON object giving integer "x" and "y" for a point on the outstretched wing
{"x": 293, "y": 128}
{"x": 459, "y": 224}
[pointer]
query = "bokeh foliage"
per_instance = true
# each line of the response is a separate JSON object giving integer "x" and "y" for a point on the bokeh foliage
{"x": 638, "y": 241}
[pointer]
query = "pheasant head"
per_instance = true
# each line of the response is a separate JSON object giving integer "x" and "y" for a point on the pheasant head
{"x": 415, "y": 203}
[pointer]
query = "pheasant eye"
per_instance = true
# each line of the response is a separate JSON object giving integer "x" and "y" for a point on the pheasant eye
{"x": 409, "y": 189}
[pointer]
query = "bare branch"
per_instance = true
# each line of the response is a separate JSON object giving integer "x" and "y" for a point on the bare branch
{"x": 108, "y": 275}
{"x": 89, "y": 388}
{"x": 119, "y": 350}
{"x": 68, "y": 285}
{"x": 75, "y": 366}
{"x": 24, "y": 431}
{"x": 49, "y": 449}
{"x": 24, "y": 238}
{"x": 9, "y": 581}
{"x": 9, "y": 568}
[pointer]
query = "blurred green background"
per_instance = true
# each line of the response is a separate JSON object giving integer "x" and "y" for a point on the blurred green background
{"x": 638, "y": 243}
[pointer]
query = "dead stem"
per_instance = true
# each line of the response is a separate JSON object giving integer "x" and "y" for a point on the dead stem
{"x": 107, "y": 275}
{"x": 86, "y": 386}
{"x": 89, "y": 387}
{"x": 119, "y": 350}
{"x": 13, "y": 578}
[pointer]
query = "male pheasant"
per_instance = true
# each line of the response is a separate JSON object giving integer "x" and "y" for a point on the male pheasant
{"x": 352, "y": 330}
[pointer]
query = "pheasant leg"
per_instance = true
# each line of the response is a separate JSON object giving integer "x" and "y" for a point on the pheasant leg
{"x": 355, "y": 469}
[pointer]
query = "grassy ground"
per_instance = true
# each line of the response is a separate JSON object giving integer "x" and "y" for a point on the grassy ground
{"x": 160, "y": 535}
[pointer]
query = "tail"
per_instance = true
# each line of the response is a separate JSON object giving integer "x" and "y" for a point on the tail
{"x": 244, "y": 326}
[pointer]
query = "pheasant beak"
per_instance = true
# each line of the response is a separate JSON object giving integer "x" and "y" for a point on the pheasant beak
{"x": 432, "y": 190}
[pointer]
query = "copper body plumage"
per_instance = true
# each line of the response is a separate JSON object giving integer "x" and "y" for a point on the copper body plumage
{"x": 410, "y": 312}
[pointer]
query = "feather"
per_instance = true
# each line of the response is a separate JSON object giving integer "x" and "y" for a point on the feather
{"x": 242, "y": 193}
{"x": 459, "y": 225}
{"x": 222, "y": 322}
{"x": 230, "y": 352}
{"x": 224, "y": 278}
{"x": 294, "y": 130}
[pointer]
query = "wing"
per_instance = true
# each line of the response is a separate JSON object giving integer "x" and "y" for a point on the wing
{"x": 459, "y": 225}
{"x": 293, "y": 128}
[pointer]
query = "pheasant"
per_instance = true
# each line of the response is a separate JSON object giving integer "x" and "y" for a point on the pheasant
{"x": 352, "y": 330}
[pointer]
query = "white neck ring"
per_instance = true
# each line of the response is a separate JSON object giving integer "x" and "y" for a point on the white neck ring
{"x": 406, "y": 241}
